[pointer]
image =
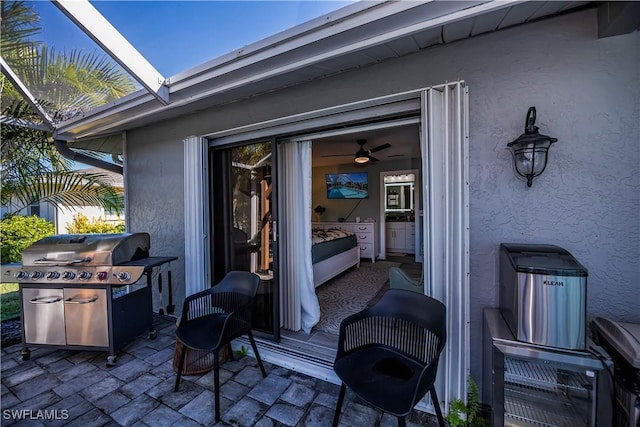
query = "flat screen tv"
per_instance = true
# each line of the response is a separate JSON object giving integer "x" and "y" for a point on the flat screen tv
{"x": 353, "y": 185}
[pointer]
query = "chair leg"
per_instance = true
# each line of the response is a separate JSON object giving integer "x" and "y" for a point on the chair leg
{"x": 183, "y": 353}
{"x": 231, "y": 356}
{"x": 402, "y": 422}
{"x": 255, "y": 351}
{"x": 436, "y": 405}
{"x": 336, "y": 416}
{"x": 216, "y": 380}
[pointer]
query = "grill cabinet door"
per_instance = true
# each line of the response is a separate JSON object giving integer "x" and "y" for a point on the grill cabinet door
{"x": 43, "y": 316}
{"x": 86, "y": 317}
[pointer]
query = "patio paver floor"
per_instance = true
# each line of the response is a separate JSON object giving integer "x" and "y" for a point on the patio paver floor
{"x": 76, "y": 388}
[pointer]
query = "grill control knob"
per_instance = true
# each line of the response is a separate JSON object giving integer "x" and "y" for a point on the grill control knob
{"x": 20, "y": 275}
{"x": 53, "y": 275}
{"x": 102, "y": 275}
{"x": 37, "y": 275}
{"x": 123, "y": 276}
{"x": 68, "y": 275}
{"x": 85, "y": 275}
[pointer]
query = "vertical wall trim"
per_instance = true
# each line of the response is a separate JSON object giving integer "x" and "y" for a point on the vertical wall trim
{"x": 125, "y": 184}
{"x": 444, "y": 146}
{"x": 196, "y": 214}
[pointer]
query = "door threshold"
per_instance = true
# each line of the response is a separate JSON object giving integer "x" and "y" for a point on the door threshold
{"x": 310, "y": 354}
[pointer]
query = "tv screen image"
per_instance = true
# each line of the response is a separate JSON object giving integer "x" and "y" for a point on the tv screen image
{"x": 353, "y": 185}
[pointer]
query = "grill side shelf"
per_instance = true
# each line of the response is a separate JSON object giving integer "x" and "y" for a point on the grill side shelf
{"x": 150, "y": 262}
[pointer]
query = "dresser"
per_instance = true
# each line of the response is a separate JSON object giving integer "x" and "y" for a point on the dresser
{"x": 365, "y": 232}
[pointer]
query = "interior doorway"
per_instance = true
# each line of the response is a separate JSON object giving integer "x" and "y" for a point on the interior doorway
{"x": 401, "y": 213}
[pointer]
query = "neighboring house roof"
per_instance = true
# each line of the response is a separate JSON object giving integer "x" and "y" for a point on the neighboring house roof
{"x": 115, "y": 180}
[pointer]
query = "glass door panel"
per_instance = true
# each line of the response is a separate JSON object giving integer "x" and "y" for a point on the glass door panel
{"x": 244, "y": 230}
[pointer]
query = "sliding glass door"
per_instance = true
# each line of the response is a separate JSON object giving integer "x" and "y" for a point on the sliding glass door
{"x": 243, "y": 224}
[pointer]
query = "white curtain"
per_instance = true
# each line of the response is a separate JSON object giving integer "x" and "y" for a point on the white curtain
{"x": 300, "y": 308}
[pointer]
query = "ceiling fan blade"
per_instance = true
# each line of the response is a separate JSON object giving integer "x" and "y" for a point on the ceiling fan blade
{"x": 373, "y": 159}
{"x": 336, "y": 155}
{"x": 379, "y": 147}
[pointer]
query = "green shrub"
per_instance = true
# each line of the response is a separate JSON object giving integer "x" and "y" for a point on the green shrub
{"x": 17, "y": 232}
{"x": 82, "y": 225}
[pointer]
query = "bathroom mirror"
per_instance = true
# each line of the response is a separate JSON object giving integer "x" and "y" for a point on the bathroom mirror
{"x": 399, "y": 197}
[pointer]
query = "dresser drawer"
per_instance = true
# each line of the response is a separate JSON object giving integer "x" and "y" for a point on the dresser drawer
{"x": 361, "y": 227}
{"x": 366, "y": 250}
{"x": 364, "y": 237}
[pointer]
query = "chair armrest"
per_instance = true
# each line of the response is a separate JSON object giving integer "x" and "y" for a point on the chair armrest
{"x": 398, "y": 279}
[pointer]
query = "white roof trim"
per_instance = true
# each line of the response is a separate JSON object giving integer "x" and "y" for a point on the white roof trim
{"x": 96, "y": 26}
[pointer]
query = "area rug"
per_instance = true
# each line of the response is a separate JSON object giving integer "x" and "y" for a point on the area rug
{"x": 351, "y": 292}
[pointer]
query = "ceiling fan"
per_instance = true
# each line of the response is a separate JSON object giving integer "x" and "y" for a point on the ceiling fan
{"x": 363, "y": 155}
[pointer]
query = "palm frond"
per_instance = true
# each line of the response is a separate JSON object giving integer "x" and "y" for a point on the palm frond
{"x": 65, "y": 190}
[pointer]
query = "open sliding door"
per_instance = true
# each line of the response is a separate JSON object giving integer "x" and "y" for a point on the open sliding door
{"x": 444, "y": 146}
{"x": 243, "y": 224}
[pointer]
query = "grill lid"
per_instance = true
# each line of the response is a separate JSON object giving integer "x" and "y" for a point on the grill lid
{"x": 87, "y": 249}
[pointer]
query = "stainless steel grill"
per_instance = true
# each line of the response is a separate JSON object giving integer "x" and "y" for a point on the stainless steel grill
{"x": 528, "y": 384}
{"x": 85, "y": 292}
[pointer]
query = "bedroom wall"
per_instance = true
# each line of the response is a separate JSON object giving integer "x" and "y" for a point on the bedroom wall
{"x": 365, "y": 208}
{"x": 586, "y": 91}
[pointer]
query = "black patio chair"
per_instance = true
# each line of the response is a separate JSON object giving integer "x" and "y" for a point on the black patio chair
{"x": 212, "y": 318}
{"x": 388, "y": 354}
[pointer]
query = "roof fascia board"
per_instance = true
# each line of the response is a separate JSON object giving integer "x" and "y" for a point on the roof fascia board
{"x": 351, "y": 47}
{"x": 276, "y": 39}
{"x": 26, "y": 94}
{"x": 288, "y": 41}
{"x": 347, "y": 48}
{"x": 87, "y": 126}
{"x": 100, "y": 30}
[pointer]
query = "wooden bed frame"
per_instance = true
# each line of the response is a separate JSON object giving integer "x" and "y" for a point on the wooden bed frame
{"x": 331, "y": 267}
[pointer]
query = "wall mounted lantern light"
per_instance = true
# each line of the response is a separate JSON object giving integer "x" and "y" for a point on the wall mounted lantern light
{"x": 530, "y": 149}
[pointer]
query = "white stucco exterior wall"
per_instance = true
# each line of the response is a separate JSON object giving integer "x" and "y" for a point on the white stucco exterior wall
{"x": 587, "y": 94}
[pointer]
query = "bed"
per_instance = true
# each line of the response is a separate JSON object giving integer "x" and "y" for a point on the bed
{"x": 333, "y": 251}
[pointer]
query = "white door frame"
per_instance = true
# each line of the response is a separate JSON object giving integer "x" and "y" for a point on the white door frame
{"x": 445, "y": 230}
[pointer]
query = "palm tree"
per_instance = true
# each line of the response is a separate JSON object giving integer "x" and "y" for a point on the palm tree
{"x": 65, "y": 85}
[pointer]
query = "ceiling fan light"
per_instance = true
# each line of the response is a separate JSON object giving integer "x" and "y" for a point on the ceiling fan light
{"x": 362, "y": 156}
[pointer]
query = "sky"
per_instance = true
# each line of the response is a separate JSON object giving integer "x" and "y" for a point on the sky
{"x": 177, "y": 35}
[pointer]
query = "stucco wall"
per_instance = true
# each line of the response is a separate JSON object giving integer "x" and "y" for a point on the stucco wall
{"x": 587, "y": 94}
